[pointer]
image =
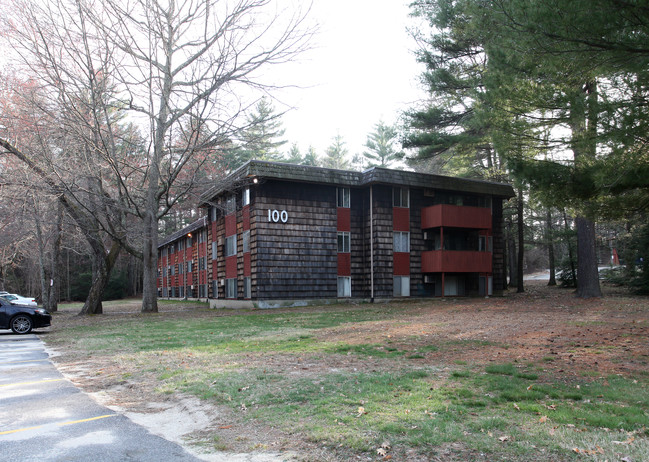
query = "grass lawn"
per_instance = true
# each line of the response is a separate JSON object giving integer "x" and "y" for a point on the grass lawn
{"x": 537, "y": 376}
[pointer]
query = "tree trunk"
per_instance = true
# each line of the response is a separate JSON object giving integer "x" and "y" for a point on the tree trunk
{"x": 102, "y": 266}
{"x": 521, "y": 242}
{"x": 571, "y": 253}
{"x": 583, "y": 124}
{"x": 55, "y": 271}
{"x": 549, "y": 239}
{"x": 511, "y": 246}
{"x": 587, "y": 272}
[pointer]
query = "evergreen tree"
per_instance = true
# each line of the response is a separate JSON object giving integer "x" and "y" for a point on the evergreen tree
{"x": 311, "y": 158}
{"x": 335, "y": 155}
{"x": 260, "y": 138}
{"x": 294, "y": 156}
{"x": 380, "y": 144}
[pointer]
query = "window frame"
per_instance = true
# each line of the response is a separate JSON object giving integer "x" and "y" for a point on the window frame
{"x": 343, "y": 197}
{"x": 344, "y": 238}
{"x": 247, "y": 287}
{"x": 231, "y": 246}
{"x": 403, "y": 281}
{"x": 344, "y": 283}
{"x": 398, "y": 241}
{"x": 230, "y": 285}
{"x": 245, "y": 238}
{"x": 245, "y": 197}
{"x": 399, "y": 202}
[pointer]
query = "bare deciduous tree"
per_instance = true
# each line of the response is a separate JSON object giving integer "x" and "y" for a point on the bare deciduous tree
{"x": 146, "y": 94}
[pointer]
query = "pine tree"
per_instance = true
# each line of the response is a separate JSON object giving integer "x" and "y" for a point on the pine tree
{"x": 380, "y": 144}
{"x": 261, "y": 137}
{"x": 335, "y": 155}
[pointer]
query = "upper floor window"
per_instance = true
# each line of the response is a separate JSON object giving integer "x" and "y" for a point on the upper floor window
{"x": 401, "y": 197}
{"x": 214, "y": 250}
{"x": 245, "y": 197}
{"x": 246, "y": 241}
{"x": 213, "y": 213}
{"x": 401, "y": 241}
{"x": 342, "y": 197}
{"x": 344, "y": 245}
{"x": 230, "y": 204}
{"x": 231, "y": 245}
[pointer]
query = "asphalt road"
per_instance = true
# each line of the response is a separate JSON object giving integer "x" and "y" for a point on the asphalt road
{"x": 44, "y": 417}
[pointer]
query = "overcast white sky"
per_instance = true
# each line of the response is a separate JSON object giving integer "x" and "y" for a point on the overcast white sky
{"x": 361, "y": 70}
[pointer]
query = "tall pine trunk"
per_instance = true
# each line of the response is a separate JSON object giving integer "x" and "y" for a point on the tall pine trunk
{"x": 521, "y": 242}
{"x": 549, "y": 239}
{"x": 583, "y": 124}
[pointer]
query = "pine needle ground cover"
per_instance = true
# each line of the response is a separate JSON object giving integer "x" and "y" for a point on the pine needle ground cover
{"x": 536, "y": 376}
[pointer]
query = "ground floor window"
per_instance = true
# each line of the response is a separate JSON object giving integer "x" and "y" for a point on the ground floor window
{"x": 231, "y": 288}
{"x": 173, "y": 292}
{"x": 402, "y": 286}
{"x": 181, "y": 292}
{"x": 202, "y": 291}
{"x": 215, "y": 289}
{"x": 247, "y": 287}
{"x": 344, "y": 286}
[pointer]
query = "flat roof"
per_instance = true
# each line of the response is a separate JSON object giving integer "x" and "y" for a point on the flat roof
{"x": 375, "y": 175}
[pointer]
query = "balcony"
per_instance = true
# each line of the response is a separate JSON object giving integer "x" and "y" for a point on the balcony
{"x": 454, "y": 216}
{"x": 455, "y": 261}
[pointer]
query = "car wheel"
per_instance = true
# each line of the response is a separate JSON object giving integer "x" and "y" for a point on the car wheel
{"x": 21, "y": 324}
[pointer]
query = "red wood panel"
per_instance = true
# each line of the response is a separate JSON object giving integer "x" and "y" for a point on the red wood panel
{"x": 344, "y": 264}
{"x": 401, "y": 264}
{"x": 401, "y": 219}
{"x": 246, "y": 218}
{"x": 230, "y": 224}
{"x": 455, "y": 216}
{"x": 246, "y": 264}
{"x": 344, "y": 219}
{"x": 455, "y": 261}
{"x": 231, "y": 267}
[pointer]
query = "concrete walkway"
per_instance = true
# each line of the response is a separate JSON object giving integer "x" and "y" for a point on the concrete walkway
{"x": 44, "y": 417}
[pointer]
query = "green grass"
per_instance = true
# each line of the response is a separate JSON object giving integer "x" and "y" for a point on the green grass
{"x": 399, "y": 399}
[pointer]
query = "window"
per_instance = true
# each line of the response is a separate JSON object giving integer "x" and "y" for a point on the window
{"x": 189, "y": 266}
{"x": 213, "y": 213}
{"x": 164, "y": 291}
{"x": 245, "y": 197}
{"x": 230, "y": 204}
{"x": 343, "y": 242}
{"x": 246, "y": 241}
{"x": 171, "y": 249}
{"x": 215, "y": 252}
{"x": 401, "y": 197}
{"x": 342, "y": 197}
{"x": 171, "y": 270}
{"x": 181, "y": 292}
{"x": 402, "y": 286}
{"x": 247, "y": 287}
{"x": 189, "y": 242}
{"x": 231, "y": 245}
{"x": 344, "y": 286}
{"x": 202, "y": 263}
{"x": 181, "y": 245}
{"x": 231, "y": 288}
{"x": 401, "y": 241}
{"x": 215, "y": 289}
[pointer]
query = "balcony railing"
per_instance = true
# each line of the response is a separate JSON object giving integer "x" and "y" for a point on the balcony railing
{"x": 455, "y": 216}
{"x": 455, "y": 261}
